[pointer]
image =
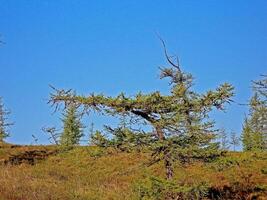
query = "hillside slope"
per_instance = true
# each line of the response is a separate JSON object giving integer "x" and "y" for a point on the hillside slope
{"x": 89, "y": 173}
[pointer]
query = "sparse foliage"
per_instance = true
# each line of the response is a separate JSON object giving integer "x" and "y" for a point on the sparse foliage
{"x": 224, "y": 141}
{"x": 53, "y": 134}
{"x": 235, "y": 140}
{"x": 261, "y": 87}
{"x": 4, "y": 124}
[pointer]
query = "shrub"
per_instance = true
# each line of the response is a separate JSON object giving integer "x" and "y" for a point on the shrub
{"x": 154, "y": 188}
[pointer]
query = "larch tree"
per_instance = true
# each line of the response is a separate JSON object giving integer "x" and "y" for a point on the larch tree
{"x": 246, "y": 136}
{"x": 223, "y": 139}
{"x": 234, "y": 141}
{"x": 73, "y": 128}
{"x": 179, "y": 120}
{"x": 254, "y": 134}
{"x": 4, "y": 124}
{"x": 261, "y": 87}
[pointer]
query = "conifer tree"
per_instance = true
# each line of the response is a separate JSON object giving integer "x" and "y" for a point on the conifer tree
{"x": 234, "y": 140}
{"x": 261, "y": 87}
{"x": 246, "y": 137}
{"x": 224, "y": 139}
{"x": 73, "y": 128}
{"x": 4, "y": 125}
{"x": 181, "y": 129}
{"x": 254, "y": 134}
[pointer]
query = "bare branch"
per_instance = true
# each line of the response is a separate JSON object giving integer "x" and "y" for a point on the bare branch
{"x": 52, "y": 131}
{"x": 169, "y": 58}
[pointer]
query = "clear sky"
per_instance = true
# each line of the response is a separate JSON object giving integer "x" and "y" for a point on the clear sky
{"x": 111, "y": 46}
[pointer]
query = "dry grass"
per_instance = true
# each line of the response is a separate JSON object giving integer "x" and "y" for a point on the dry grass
{"x": 87, "y": 173}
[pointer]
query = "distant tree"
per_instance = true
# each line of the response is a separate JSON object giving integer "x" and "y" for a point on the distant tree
{"x": 234, "y": 140}
{"x": 99, "y": 139}
{"x": 4, "y": 124}
{"x": 91, "y": 133}
{"x": 260, "y": 86}
{"x": 224, "y": 141}
{"x": 53, "y": 134}
{"x": 247, "y": 136}
{"x": 73, "y": 128}
{"x": 179, "y": 120}
{"x": 254, "y": 134}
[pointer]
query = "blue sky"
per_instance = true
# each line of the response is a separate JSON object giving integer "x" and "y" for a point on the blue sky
{"x": 111, "y": 46}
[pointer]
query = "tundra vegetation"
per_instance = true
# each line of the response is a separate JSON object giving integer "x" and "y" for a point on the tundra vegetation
{"x": 181, "y": 156}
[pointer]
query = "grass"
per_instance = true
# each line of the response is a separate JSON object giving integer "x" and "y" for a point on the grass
{"x": 89, "y": 173}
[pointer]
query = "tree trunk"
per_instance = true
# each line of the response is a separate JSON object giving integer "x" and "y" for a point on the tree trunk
{"x": 168, "y": 166}
{"x": 166, "y": 157}
{"x": 160, "y": 133}
{"x": 169, "y": 174}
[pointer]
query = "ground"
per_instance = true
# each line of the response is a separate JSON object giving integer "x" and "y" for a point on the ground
{"x": 90, "y": 173}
